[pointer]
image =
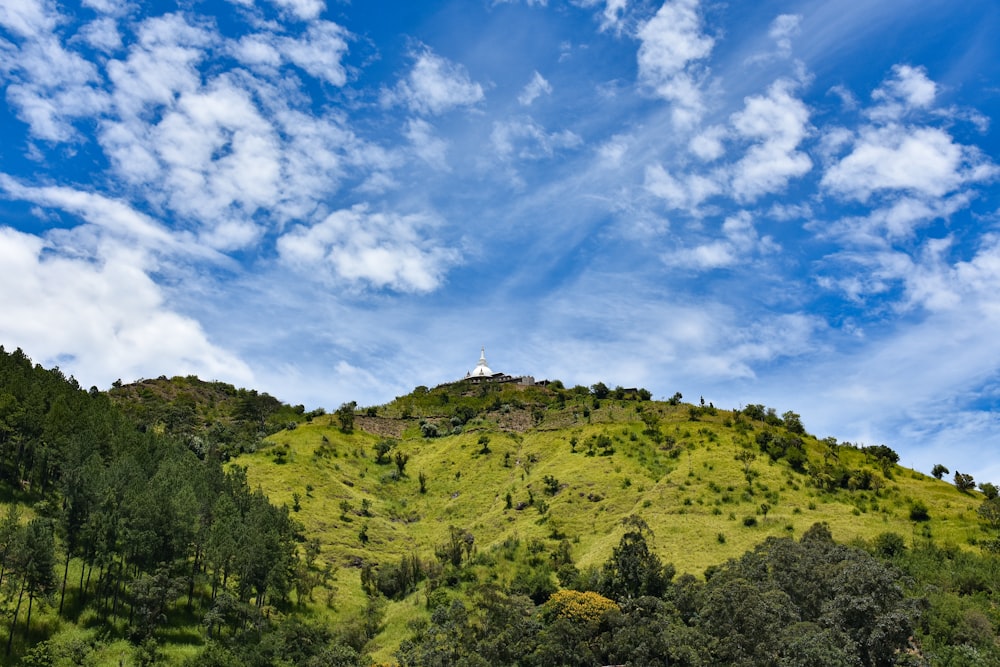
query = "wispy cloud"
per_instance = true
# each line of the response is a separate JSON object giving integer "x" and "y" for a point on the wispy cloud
{"x": 672, "y": 47}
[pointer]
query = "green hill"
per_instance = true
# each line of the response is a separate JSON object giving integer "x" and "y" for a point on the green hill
{"x": 177, "y": 521}
{"x": 548, "y": 466}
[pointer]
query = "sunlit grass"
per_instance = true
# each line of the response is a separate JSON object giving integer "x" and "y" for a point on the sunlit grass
{"x": 693, "y": 494}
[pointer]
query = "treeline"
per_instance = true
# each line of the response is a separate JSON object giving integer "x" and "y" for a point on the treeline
{"x": 152, "y": 532}
{"x": 802, "y": 603}
{"x": 213, "y": 418}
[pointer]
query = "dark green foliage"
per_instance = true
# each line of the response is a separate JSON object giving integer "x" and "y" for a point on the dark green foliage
{"x": 919, "y": 511}
{"x": 400, "y": 459}
{"x": 149, "y": 516}
{"x": 939, "y": 471}
{"x": 600, "y": 391}
{"x": 345, "y": 416}
{"x": 889, "y": 545}
{"x": 382, "y": 448}
{"x": 551, "y": 485}
{"x": 964, "y": 482}
{"x": 459, "y": 546}
{"x": 793, "y": 422}
{"x": 394, "y": 581}
{"x": 289, "y": 642}
{"x": 633, "y": 570}
{"x": 989, "y": 490}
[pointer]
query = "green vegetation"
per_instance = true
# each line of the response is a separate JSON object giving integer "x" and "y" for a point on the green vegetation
{"x": 185, "y": 522}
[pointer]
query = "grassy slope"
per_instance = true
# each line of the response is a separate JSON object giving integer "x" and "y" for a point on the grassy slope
{"x": 695, "y": 501}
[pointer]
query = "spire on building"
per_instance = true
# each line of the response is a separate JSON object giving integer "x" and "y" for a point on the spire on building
{"x": 481, "y": 369}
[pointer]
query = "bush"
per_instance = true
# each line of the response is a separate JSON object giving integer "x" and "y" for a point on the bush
{"x": 918, "y": 512}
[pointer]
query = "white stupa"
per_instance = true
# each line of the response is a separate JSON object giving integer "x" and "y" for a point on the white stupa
{"x": 481, "y": 370}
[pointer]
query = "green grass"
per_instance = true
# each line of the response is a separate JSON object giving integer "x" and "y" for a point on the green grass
{"x": 689, "y": 494}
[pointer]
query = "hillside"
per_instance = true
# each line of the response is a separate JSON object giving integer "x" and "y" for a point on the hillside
{"x": 177, "y": 521}
{"x": 553, "y": 466}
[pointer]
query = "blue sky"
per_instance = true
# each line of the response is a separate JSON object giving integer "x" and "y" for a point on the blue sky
{"x": 778, "y": 202}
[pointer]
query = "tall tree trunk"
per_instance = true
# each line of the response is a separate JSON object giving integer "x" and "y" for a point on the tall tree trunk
{"x": 194, "y": 571}
{"x": 62, "y": 595}
{"x": 118, "y": 586}
{"x": 83, "y": 592}
{"x": 27, "y": 622}
{"x": 13, "y": 623}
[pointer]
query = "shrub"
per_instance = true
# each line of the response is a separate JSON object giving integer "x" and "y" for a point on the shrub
{"x": 918, "y": 512}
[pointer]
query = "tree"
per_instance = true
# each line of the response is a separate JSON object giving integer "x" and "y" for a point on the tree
{"x": 747, "y": 457}
{"x": 989, "y": 490}
{"x": 793, "y": 422}
{"x": 989, "y": 511}
{"x": 633, "y": 570}
{"x": 939, "y": 471}
{"x": 652, "y": 422}
{"x": 33, "y": 567}
{"x": 600, "y": 390}
{"x": 484, "y": 444}
{"x": 382, "y": 447}
{"x": 400, "y": 460}
{"x": 964, "y": 482}
{"x": 345, "y": 415}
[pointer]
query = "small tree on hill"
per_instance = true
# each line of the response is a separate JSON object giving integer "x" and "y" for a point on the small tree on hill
{"x": 964, "y": 482}
{"x": 400, "y": 459}
{"x": 345, "y": 415}
{"x": 382, "y": 448}
{"x": 939, "y": 471}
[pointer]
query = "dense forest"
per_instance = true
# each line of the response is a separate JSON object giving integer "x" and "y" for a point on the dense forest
{"x": 133, "y": 532}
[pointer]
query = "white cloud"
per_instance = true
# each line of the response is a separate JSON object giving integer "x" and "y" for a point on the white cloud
{"x": 426, "y": 144}
{"x": 612, "y": 152}
{"x": 708, "y": 144}
{"x": 303, "y": 9}
{"x": 739, "y": 243}
{"x": 109, "y": 7}
{"x": 782, "y": 29}
{"x": 319, "y": 51}
{"x": 536, "y": 87}
{"x": 115, "y": 217}
{"x": 906, "y": 90}
{"x": 51, "y": 87}
{"x": 613, "y": 14}
{"x": 102, "y": 310}
{"x": 924, "y": 161}
{"x": 29, "y": 18}
{"x": 681, "y": 192}
{"x": 102, "y": 34}
{"x": 672, "y": 43}
{"x": 779, "y": 123}
{"x": 526, "y": 139}
{"x": 384, "y": 250}
{"x": 436, "y": 85}
{"x": 160, "y": 66}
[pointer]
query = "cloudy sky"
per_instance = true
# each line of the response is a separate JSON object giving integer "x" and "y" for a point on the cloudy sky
{"x": 785, "y": 202}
